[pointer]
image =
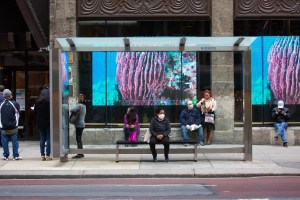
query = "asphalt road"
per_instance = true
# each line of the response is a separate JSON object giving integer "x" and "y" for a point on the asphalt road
{"x": 202, "y": 188}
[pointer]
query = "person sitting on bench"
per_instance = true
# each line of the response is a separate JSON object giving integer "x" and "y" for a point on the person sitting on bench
{"x": 190, "y": 120}
{"x": 160, "y": 130}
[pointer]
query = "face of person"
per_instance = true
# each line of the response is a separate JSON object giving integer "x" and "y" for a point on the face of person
{"x": 206, "y": 95}
{"x": 189, "y": 104}
{"x": 80, "y": 98}
{"x": 161, "y": 114}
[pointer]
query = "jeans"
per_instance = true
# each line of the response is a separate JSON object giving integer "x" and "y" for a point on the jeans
{"x": 45, "y": 138}
{"x": 15, "y": 144}
{"x": 185, "y": 136}
{"x": 127, "y": 132}
{"x": 280, "y": 128}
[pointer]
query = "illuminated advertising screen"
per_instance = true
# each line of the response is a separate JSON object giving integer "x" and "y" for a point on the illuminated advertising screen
{"x": 143, "y": 78}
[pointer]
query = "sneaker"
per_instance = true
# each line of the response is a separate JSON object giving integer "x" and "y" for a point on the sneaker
{"x": 43, "y": 158}
{"x": 285, "y": 144}
{"x": 154, "y": 159}
{"x": 276, "y": 138}
{"x": 78, "y": 156}
{"x": 4, "y": 158}
{"x": 18, "y": 158}
{"x": 48, "y": 158}
{"x": 201, "y": 143}
{"x": 166, "y": 160}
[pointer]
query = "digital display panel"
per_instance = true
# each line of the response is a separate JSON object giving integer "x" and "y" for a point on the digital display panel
{"x": 143, "y": 78}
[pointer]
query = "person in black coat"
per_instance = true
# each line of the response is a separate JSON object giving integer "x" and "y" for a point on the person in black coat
{"x": 42, "y": 110}
{"x": 160, "y": 130}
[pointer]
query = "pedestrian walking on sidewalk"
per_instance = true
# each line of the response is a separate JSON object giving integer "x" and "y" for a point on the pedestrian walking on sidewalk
{"x": 281, "y": 115}
{"x": 79, "y": 123}
{"x": 9, "y": 121}
{"x": 160, "y": 130}
{"x": 1, "y": 99}
{"x": 42, "y": 111}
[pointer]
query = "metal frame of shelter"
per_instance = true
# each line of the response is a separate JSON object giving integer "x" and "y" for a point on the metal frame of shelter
{"x": 201, "y": 44}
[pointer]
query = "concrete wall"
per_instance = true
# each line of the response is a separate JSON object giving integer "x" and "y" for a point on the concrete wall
{"x": 260, "y": 136}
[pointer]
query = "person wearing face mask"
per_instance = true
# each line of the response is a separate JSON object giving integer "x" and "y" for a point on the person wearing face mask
{"x": 160, "y": 129}
{"x": 191, "y": 120}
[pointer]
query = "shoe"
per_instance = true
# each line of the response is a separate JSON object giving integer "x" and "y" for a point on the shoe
{"x": 155, "y": 159}
{"x": 43, "y": 158}
{"x": 276, "y": 138}
{"x": 208, "y": 143}
{"x": 166, "y": 160}
{"x": 48, "y": 158}
{"x": 185, "y": 145}
{"x": 18, "y": 158}
{"x": 4, "y": 158}
{"x": 78, "y": 156}
{"x": 201, "y": 144}
{"x": 285, "y": 144}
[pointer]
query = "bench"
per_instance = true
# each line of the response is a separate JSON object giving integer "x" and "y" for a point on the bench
{"x": 185, "y": 150}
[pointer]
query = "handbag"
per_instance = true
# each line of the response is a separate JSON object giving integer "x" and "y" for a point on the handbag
{"x": 132, "y": 136}
{"x": 209, "y": 118}
{"x": 73, "y": 117}
{"x": 147, "y": 136}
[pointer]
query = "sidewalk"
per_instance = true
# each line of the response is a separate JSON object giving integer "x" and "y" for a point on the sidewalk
{"x": 267, "y": 161}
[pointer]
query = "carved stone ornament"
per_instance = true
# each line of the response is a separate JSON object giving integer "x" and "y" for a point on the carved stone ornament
{"x": 143, "y": 8}
{"x": 267, "y": 8}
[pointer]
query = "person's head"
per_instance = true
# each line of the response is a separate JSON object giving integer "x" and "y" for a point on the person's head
{"x": 81, "y": 98}
{"x": 160, "y": 113}
{"x": 131, "y": 111}
{"x": 2, "y": 88}
{"x": 189, "y": 104}
{"x": 7, "y": 94}
{"x": 280, "y": 104}
{"x": 207, "y": 94}
{"x": 44, "y": 96}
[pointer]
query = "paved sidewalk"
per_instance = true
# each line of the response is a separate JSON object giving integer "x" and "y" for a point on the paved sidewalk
{"x": 267, "y": 161}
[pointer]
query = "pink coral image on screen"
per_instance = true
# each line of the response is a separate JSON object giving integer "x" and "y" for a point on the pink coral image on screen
{"x": 284, "y": 68}
{"x": 155, "y": 78}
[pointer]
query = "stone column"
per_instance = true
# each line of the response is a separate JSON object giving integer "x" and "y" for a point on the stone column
{"x": 222, "y": 73}
{"x": 63, "y": 24}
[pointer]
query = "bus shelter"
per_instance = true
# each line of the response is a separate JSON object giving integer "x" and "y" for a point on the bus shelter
{"x": 59, "y": 75}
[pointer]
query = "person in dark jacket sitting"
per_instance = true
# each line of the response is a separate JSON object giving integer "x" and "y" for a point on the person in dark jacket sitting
{"x": 160, "y": 130}
{"x": 281, "y": 115}
{"x": 191, "y": 120}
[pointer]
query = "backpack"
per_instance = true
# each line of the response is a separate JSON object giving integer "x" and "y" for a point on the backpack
{"x": 11, "y": 121}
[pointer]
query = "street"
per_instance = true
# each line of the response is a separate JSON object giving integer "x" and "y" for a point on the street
{"x": 287, "y": 187}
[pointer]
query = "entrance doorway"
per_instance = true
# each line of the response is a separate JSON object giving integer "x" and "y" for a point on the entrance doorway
{"x": 25, "y": 86}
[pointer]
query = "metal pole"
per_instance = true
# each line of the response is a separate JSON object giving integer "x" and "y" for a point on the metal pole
{"x": 247, "y": 105}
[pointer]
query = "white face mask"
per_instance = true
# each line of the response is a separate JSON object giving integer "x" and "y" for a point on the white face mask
{"x": 190, "y": 107}
{"x": 161, "y": 116}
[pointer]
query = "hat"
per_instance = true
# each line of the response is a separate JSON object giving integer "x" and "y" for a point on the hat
{"x": 6, "y": 93}
{"x": 280, "y": 104}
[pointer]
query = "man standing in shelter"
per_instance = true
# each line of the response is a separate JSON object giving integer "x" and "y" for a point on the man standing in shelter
{"x": 9, "y": 121}
{"x": 190, "y": 120}
{"x": 281, "y": 115}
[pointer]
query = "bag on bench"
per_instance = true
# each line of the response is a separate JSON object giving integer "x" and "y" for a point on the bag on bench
{"x": 147, "y": 136}
{"x": 132, "y": 136}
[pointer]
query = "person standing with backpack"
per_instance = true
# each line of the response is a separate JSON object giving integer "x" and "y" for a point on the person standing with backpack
{"x": 9, "y": 121}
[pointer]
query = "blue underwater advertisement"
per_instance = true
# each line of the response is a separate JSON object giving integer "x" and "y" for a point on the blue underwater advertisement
{"x": 143, "y": 78}
{"x": 275, "y": 69}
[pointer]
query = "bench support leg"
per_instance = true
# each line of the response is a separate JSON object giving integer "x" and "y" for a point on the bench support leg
{"x": 195, "y": 153}
{"x": 117, "y": 153}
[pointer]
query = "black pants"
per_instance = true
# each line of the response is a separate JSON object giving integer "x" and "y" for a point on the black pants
{"x": 165, "y": 141}
{"x": 78, "y": 137}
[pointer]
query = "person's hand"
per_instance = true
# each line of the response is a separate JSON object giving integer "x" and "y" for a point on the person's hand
{"x": 188, "y": 127}
{"x": 131, "y": 126}
{"x": 159, "y": 137}
{"x": 127, "y": 125}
